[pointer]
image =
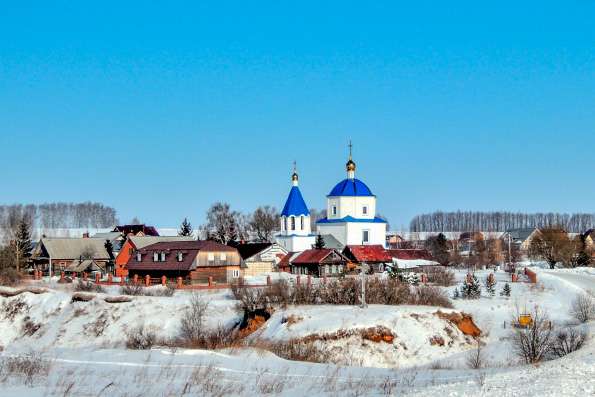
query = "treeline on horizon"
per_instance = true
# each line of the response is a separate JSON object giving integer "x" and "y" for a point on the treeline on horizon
{"x": 59, "y": 215}
{"x": 499, "y": 221}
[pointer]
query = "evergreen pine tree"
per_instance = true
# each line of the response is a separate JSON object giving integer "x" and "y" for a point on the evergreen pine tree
{"x": 505, "y": 290}
{"x": 22, "y": 242}
{"x": 185, "y": 228}
{"x": 471, "y": 288}
{"x": 319, "y": 244}
{"x": 490, "y": 284}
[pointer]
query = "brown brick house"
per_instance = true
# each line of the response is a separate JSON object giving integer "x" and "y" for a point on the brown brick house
{"x": 195, "y": 261}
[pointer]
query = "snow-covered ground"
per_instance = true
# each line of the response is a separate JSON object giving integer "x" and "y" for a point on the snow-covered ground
{"x": 84, "y": 341}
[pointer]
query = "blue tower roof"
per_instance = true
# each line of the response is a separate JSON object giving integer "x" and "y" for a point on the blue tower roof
{"x": 350, "y": 187}
{"x": 295, "y": 204}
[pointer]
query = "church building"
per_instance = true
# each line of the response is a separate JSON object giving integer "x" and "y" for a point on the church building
{"x": 351, "y": 212}
{"x": 296, "y": 234}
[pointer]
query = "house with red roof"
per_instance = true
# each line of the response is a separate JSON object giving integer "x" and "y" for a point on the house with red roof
{"x": 376, "y": 256}
{"x": 316, "y": 262}
{"x": 194, "y": 261}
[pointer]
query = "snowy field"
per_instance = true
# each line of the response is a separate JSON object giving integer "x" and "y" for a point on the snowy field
{"x": 84, "y": 345}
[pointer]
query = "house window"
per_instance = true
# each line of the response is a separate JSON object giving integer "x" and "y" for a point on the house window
{"x": 334, "y": 269}
{"x": 180, "y": 257}
{"x": 223, "y": 256}
{"x": 138, "y": 257}
{"x": 302, "y": 222}
{"x": 326, "y": 269}
{"x": 292, "y": 223}
{"x": 365, "y": 210}
{"x": 235, "y": 273}
{"x": 365, "y": 236}
{"x": 163, "y": 257}
{"x": 334, "y": 210}
{"x": 211, "y": 257}
{"x": 155, "y": 257}
{"x": 130, "y": 251}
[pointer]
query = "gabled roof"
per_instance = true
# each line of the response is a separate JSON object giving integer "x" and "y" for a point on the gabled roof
{"x": 367, "y": 253}
{"x": 295, "y": 204}
{"x": 201, "y": 245}
{"x": 331, "y": 242}
{"x": 86, "y": 265}
{"x": 315, "y": 256}
{"x": 135, "y": 229}
{"x": 350, "y": 187}
{"x": 143, "y": 241}
{"x": 248, "y": 250}
{"x": 521, "y": 234}
{"x": 73, "y": 248}
{"x": 410, "y": 254}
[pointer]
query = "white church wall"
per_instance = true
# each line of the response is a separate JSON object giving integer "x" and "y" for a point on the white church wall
{"x": 352, "y": 206}
{"x": 376, "y": 233}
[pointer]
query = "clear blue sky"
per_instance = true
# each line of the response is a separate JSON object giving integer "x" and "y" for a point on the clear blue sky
{"x": 160, "y": 110}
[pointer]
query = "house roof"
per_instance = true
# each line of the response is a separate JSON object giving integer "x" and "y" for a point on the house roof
{"x": 295, "y": 204}
{"x": 410, "y": 254}
{"x": 331, "y": 242}
{"x": 73, "y": 248}
{"x": 189, "y": 250}
{"x": 521, "y": 234}
{"x": 135, "y": 229}
{"x": 140, "y": 242}
{"x": 314, "y": 256}
{"x": 79, "y": 266}
{"x": 367, "y": 253}
{"x": 286, "y": 260}
{"x": 248, "y": 250}
{"x": 107, "y": 235}
{"x": 350, "y": 187}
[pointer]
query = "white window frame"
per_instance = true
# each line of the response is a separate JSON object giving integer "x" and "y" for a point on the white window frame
{"x": 293, "y": 223}
{"x": 365, "y": 233}
{"x": 302, "y": 222}
{"x": 334, "y": 210}
{"x": 155, "y": 256}
{"x": 235, "y": 273}
{"x": 162, "y": 256}
{"x": 211, "y": 257}
{"x": 223, "y": 256}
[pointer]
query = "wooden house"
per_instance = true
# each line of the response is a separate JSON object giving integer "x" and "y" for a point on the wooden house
{"x": 375, "y": 256}
{"x": 319, "y": 263}
{"x": 61, "y": 252}
{"x": 134, "y": 243}
{"x": 260, "y": 258}
{"x": 194, "y": 261}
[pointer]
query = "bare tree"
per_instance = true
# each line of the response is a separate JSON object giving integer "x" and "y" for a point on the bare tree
{"x": 552, "y": 245}
{"x": 583, "y": 307}
{"x": 475, "y": 359}
{"x": 533, "y": 343}
{"x": 265, "y": 220}
{"x": 221, "y": 223}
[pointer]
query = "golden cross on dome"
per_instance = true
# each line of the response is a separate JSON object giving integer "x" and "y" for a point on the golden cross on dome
{"x": 350, "y": 147}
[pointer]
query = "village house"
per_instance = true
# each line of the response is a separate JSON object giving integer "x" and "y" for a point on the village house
{"x": 259, "y": 258}
{"x": 134, "y": 243}
{"x": 195, "y": 261}
{"x": 375, "y": 256}
{"x": 520, "y": 237}
{"x": 318, "y": 262}
{"x": 413, "y": 260}
{"x": 61, "y": 253}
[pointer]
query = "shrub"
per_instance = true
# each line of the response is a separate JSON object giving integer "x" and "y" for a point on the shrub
{"x": 533, "y": 343}
{"x": 140, "y": 338}
{"x": 583, "y": 307}
{"x": 567, "y": 341}
{"x": 87, "y": 286}
{"x": 441, "y": 277}
{"x": 9, "y": 276}
{"x": 11, "y": 308}
{"x": 131, "y": 289}
{"x": 192, "y": 327}
{"x": 505, "y": 290}
{"x": 475, "y": 359}
{"x": 30, "y": 367}
{"x": 431, "y": 296}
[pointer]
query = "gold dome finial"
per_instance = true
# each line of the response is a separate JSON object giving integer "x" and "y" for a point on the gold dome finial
{"x": 350, "y": 163}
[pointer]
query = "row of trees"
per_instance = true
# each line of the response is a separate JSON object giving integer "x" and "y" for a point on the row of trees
{"x": 466, "y": 221}
{"x": 59, "y": 215}
{"x": 551, "y": 245}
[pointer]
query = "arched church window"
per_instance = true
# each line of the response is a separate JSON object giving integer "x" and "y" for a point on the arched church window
{"x": 302, "y": 222}
{"x": 284, "y": 223}
{"x": 293, "y": 223}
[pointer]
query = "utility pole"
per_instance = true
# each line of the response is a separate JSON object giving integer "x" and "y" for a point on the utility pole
{"x": 364, "y": 270}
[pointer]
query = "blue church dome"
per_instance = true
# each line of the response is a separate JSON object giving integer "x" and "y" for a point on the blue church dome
{"x": 350, "y": 187}
{"x": 295, "y": 204}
